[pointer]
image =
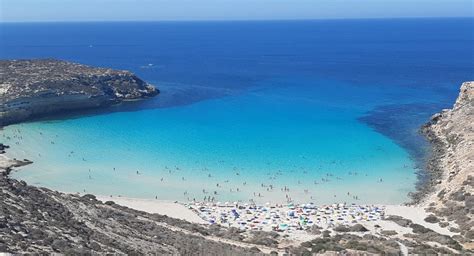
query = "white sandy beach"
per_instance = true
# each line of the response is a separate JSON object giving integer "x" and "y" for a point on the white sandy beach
{"x": 177, "y": 210}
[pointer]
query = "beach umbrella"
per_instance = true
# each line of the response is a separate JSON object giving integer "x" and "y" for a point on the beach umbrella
{"x": 283, "y": 226}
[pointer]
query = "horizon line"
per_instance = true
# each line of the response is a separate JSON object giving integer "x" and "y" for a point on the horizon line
{"x": 240, "y": 20}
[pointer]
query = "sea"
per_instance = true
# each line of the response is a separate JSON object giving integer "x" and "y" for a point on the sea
{"x": 322, "y": 111}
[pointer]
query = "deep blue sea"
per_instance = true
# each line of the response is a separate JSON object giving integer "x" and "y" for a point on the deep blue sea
{"x": 329, "y": 109}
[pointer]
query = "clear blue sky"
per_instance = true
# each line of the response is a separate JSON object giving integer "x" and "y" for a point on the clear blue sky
{"x": 107, "y": 10}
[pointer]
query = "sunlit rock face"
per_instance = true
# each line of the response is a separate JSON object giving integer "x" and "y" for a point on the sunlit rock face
{"x": 452, "y": 135}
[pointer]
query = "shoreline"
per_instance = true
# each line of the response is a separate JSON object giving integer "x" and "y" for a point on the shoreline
{"x": 419, "y": 197}
{"x": 413, "y": 216}
{"x": 184, "y": 211}
{"x": 181, "y": 210}
{"x": 410, "y": 198}
{"x": 190, "y": 212}
{"x": 173, "y": 209}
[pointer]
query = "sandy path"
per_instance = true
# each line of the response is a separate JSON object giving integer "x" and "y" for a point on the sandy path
{"x": 5, "y": 162}
{"x": 162, "y": 207}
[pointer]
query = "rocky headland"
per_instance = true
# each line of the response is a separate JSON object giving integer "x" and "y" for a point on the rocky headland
{"x": 39, "y": 220}
{"x": 40, "y": 87}
{"x": 451, "y": 166}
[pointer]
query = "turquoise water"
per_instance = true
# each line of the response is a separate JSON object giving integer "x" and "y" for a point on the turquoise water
{"x": 248, "y": 120}
{"x": 232, "y": 138}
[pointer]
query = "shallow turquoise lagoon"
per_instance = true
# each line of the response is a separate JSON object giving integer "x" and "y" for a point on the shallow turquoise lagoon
{"x": 328, "y": 109}
{"x": 255, "y": 142}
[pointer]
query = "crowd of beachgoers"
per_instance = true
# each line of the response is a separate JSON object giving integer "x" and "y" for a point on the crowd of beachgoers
{"x": 284, "y": 218}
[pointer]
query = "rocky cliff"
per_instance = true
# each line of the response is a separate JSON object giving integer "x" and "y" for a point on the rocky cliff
{"x": 38, "y": 220}
{"x": 34, "y": 88}
{"x": 451, "y": 133}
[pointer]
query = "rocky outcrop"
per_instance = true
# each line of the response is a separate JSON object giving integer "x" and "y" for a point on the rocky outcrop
{"x": 34, "y": 88}
{"x": 451, "y": 133}
{"x": 38, "y": 220}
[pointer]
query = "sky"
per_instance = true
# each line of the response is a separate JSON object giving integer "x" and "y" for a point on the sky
{"x": 147, "y": 10}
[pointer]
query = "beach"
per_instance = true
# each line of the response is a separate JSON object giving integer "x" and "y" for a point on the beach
{"x": 5, "y": 162}
{"x": 291, "y": 224}
{"x": 279, "y": 142}
{"x": 292, "y": 220}
{"x": 288, "y": 219}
